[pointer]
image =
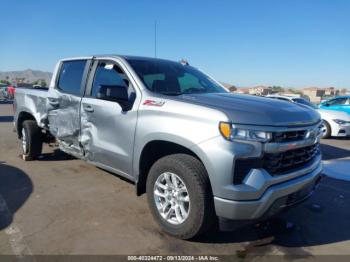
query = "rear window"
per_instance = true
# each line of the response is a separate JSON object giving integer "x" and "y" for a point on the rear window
{"x": 188, "y": 81}
{"x": 71, "y": 76}
{"x": 149, "y": 79}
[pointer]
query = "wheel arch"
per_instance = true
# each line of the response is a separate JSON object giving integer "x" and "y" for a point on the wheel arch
{"x": 154, "y": 150}
{"x": 22, "y": 116}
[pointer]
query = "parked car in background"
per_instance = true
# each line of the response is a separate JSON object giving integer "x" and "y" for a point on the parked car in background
{"x": 325, "y": 98}
{"x": 335, "y": 123}
{"x": 3, "y": 93}
{"x": 298, "y": 100}
{"x": 340, "y": 103}
{"x": 11, "y": 92}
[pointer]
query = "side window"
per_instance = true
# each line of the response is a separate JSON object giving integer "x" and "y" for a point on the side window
{"x": 337, "y": 101}
{"x": 71, "y": 76}
{"x": 108, "y": 74}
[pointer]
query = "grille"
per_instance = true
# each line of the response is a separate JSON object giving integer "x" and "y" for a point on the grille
{"x": 288, "y": 136}
{"x": 275, "y": 163}
{"x": 279, "y": 163}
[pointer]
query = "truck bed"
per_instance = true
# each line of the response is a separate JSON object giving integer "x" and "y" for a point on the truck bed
{"x": 32, "y": 101}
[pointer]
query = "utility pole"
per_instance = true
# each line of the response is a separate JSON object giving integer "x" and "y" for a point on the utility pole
{"x": 155, "y": 38}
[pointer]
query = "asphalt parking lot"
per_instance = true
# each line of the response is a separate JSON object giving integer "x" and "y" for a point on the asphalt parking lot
{"x": 61, "y": 205}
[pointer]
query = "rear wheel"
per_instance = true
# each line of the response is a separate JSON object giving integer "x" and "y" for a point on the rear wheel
{"x": 325, "y": 130}
{"x": 31, "y": 140}
{"x": 179, "y": 196}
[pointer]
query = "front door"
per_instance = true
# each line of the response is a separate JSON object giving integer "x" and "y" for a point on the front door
{"x": 338, "y": 104}
{"x": 107, "y": 132}
{"x": 345, "y": 107}
{"x": 63, "y": 104}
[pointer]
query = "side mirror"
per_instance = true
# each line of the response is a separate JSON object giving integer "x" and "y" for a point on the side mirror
{"x": 117, "y": 94}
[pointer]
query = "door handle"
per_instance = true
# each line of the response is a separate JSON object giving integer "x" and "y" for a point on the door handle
{"x": 88, "y": 108}
{"x": 53, "y": 101}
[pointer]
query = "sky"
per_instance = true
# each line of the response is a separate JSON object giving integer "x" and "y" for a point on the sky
{"x": 291, "y": 43}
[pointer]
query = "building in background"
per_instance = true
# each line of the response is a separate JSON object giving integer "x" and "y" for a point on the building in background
{"x": 316, "y": 94}
{"x": 242, "y": 90}
{"x": 260, "y": 90}
{"x": 229, "y": 87}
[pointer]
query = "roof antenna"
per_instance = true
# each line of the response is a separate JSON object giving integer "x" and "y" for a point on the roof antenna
{"x": 155, "y": 38}
{"x": 184, "y": 62}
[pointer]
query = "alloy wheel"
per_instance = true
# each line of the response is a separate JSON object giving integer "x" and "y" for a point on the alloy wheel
{"x": 172, "y": 198}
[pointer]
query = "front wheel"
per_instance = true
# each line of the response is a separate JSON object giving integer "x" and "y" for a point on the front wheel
{"x": 325, "y": 130}
{"x": 179, "y": 196}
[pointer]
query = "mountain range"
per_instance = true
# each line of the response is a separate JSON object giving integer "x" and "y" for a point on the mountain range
{"x": 27, "y": 76}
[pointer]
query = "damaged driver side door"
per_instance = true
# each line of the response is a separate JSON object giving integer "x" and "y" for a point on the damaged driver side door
{"x": 108, "y": 117}
{"x": 63, "y": 104}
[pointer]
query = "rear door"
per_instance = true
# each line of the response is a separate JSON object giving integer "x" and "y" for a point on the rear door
{"x": 107, "y": 131}
{"x": 64, "y": 103}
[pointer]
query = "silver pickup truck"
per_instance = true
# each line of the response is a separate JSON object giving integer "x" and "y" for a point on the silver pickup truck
{"x": 198, "y": 151}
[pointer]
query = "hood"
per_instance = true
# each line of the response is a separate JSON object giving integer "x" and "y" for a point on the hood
{"x": 332, "y": 114}
{"x": 253, "y": 110}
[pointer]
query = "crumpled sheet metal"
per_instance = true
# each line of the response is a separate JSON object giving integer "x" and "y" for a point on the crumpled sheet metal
{"x": 36, "y": 104}
{"x": 86, "y": 136}
{"x": 66, "y": 120}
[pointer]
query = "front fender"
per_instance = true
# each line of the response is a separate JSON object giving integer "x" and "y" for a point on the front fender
{"x": 158, "y": 136}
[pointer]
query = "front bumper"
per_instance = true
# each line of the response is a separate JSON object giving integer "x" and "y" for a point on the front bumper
{"x": 258, "y": 191}
{"x": 340, "y": 130}
{"x": 274, "y": 199}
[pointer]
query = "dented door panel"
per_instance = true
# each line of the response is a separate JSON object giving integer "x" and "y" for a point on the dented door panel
{"x": 107, "y": 133}
{"x": 63, "y": 104}
{"x": 64, "y": 118}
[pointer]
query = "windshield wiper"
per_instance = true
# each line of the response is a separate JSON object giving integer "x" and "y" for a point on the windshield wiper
{"x": 171, "y": 93}
{"x": 194, "y": 90}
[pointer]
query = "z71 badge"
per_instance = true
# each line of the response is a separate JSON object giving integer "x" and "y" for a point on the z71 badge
{"x": 153, "y": 103}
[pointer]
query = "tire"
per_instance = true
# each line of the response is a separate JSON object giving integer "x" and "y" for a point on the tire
{"x": 191, "y": 173}
{"x": 326, "y": 130}
{"x": 31, "y": 138}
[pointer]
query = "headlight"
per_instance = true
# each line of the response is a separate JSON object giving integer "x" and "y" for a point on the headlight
{"x": 341, "y": 122}
{"x": 232, "y": 133}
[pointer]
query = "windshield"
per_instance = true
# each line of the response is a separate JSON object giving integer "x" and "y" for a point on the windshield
{"x": 171, "y": 78}
{"x": 304, "y": 102}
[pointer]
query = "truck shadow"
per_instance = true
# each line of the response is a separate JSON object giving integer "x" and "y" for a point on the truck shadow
{"x": 323, "y": 219}
{"x": 4, "y": 119}
{"x": 55, "y": 155}
{"x": 15, "y": 189}
{"x": 331, "y": 152}
{"x": 6, "y": 102}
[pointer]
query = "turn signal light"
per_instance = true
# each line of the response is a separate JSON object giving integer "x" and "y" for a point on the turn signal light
{"x": 225, "y": 129}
